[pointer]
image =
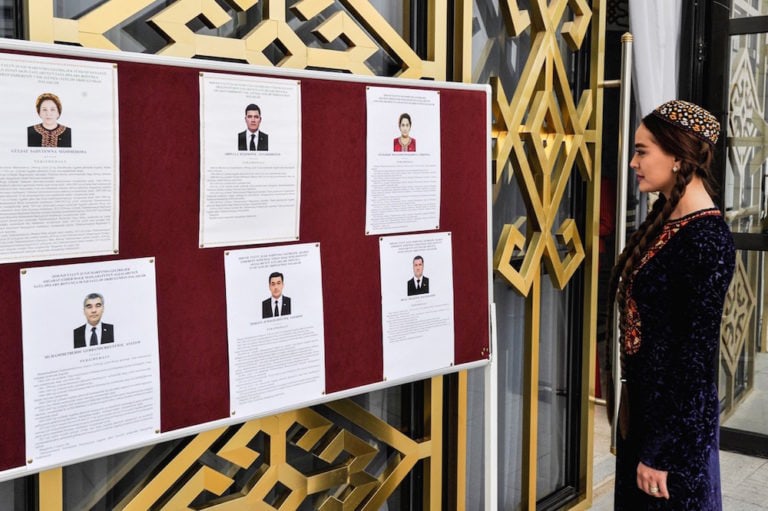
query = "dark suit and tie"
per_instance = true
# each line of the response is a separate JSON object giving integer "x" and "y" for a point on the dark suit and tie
{"x": 93, "y": 330}
{"x": 246, "y": 141}
{"x": 270, "y": 309}
{"x": 418, "y": 286}
{"x": 107, "y": 335}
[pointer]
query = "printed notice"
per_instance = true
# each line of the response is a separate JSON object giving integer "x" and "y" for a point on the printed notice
{"x": 403, "y": 160}
{"x": 250, "y": 148}
{"x": 59, "y": 172}
{"x": 91, "y": 370}
{"x": 275, "y": 328}
{"x": 416, "y": 304}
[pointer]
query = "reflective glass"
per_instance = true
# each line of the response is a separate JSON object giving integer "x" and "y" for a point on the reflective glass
{"x": 746, "y": 170}
{"x": 9, "y": 16}
{"x": 748, "y": 8}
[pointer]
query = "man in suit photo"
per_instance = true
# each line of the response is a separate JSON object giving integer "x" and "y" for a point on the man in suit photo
{"x": 419, "y": 284}
{"x": 278, "y": 304}
{"x": 94, "y": 332}
{"x": 252, "y": 139}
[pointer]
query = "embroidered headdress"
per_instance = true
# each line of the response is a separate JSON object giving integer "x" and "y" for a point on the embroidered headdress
{"x": 691, "y": 118}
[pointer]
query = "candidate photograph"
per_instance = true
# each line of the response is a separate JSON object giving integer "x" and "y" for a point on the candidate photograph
{"x": 49, "y": 133}
{"x": 94, "y": 332}
{"x": 252, "y": 139}
{"x": 405, "y": 143}
{"x": 277, "y": 304}
{"x": 418, "y": 284}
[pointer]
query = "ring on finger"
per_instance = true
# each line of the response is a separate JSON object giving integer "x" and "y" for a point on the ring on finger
{"x": 653, "y": 489}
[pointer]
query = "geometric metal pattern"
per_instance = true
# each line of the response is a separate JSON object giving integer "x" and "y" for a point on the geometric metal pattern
{"x": 544, "y": 134}
{"x": 320, "y": 34}
{"x": 336, "y": 456}
{"x": 546, "y": 140}
{"x": 737, "y": 316}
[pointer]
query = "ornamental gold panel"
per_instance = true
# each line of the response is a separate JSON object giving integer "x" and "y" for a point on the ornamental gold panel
{"x": 548, "y": 140}
{"x": 336, "y": 456}
{"x": 344, "y": 36}
{"x": 545, "y": 135}
{"x": 737, "y": 315}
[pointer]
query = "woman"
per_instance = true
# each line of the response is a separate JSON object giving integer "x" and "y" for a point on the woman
{"x": 49, "y": 133}
{"x": 405, "y": 143}
{"x": 670, "y": 284}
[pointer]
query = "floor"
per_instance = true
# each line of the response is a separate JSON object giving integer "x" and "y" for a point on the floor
{"x": 752, "y": 414}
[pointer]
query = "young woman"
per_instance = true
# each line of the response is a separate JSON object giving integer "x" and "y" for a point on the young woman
{"x": 405, "y": 142}
{"x": 670, "y": 284}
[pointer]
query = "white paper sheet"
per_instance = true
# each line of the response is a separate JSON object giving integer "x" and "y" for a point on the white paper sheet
{"x": 402, "y": 182}
{"x": 417, "y": 317}
{"x": 58, "y": 202}
{"x": 249, "y": 196}
{"x": 82, "y": 399}
{"x": 275, "y": 362}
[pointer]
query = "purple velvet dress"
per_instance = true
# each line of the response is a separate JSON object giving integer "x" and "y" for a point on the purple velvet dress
{"x": 670, "y": 357}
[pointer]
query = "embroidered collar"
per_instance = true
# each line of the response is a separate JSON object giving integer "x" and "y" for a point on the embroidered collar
{"x": 50, "y": 137}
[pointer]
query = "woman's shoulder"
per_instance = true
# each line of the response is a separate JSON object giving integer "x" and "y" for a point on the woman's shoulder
{"x": 704, "y": 236}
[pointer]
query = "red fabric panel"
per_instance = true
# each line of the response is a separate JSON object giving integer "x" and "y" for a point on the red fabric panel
{"x": 159, "y": 207}
{"x": 463, "y": 212}
{"x": 12, "y": 450}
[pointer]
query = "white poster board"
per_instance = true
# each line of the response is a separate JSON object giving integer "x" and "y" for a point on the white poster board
{"x": 274, "y": 327}
{"x": 91, "y": 367}
{"x": 250, "y": 147}
{"x": 59, "y": 187}
{"x": 403, "y": 160}
{"x": 416, "y": 303}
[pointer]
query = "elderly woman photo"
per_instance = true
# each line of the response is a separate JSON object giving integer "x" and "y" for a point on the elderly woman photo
{"x": 49, "y": 133}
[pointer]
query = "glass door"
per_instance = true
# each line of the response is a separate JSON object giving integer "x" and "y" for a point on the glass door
{"x": 743, "y": 348}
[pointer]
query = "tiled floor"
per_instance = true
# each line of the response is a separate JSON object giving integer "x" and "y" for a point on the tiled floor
{"x": 752, "y": 414}
{"x": 744, "y": 478}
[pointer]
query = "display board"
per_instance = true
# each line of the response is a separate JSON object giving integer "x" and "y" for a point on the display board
{"x": 159, "y": 198}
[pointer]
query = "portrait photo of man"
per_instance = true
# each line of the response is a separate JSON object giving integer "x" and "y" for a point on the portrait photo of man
{"x": 94, "y": 332}
{"x": 419, "y": 284}
{"x": 278, "y": 304}
{"x": 252, "y": 139}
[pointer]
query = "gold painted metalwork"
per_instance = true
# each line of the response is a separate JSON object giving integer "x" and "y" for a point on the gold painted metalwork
{"x": 735, "y": 333}
{"x": 541, "y": 135}
{"x": 361, "y": 28}
{"x": 231, "y": 470}
{"x": 53, "y": 498}
{"x": 737, "y": 315}
{"x": 544, "y": 133}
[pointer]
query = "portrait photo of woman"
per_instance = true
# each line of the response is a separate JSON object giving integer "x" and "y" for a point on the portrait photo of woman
{"x": 405, "y": 142}
{"x": 49, "y": 133}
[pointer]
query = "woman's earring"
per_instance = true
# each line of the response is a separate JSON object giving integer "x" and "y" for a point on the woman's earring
{"x": 675, "y": 168}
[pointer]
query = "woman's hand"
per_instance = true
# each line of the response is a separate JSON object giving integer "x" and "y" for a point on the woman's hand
{"x": 652, "y": 481}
